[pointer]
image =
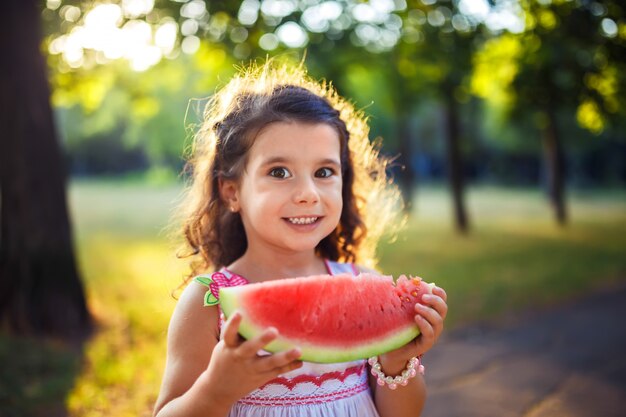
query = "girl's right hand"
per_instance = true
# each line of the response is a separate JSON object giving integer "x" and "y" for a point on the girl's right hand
{"x": 236, "y": 368}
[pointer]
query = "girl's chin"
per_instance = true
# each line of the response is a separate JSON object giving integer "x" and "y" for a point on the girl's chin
{"x": 302, "y": 243}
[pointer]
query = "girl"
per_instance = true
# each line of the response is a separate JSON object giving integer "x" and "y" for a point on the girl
{"x": 285, "y": 184}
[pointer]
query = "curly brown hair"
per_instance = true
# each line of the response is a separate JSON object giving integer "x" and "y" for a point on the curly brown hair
{"x": 256, "y": 97}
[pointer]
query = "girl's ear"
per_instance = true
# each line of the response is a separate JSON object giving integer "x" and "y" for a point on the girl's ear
{"x": 229, "y": 194}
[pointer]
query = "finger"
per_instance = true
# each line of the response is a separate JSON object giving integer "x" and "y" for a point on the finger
{"x": 278, "y": 360}
{"x": 430, "y": 314}
{"x": 230, "y": 332}
{"x": 441, "y": 293}
{"x": 437, "y": 303}
{"x": 426, "y": 329}
{"x": 252, "y": 346}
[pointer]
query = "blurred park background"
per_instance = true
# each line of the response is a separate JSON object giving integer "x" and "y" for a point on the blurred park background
{"x": 506, "y": 119}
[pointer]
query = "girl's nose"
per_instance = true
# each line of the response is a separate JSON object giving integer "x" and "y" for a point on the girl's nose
{"x": 306, "y": 192}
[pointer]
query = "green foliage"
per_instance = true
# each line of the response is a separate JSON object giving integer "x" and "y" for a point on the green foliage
{"x": 495, "y": 67}
{"x": 567, "y": 61}
{"x": 563, "y": 59}
{"x": 142, "y": 110}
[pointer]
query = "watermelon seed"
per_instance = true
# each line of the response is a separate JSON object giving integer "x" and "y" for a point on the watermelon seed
{"x": 414, "y": 293}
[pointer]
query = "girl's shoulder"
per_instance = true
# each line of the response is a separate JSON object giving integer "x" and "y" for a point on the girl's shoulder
{"x": 197, "y": 314}
{"x": 193, "y": 326}
{"x": 191, "y": 305}
{"x": 198, "y": 302}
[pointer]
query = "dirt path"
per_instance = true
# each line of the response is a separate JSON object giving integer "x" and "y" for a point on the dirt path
{"x": 568, "y": 361}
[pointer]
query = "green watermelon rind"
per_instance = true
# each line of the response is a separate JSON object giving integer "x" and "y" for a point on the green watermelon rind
{"x": 316, "y": 353}
{"x": 319, "y": 354}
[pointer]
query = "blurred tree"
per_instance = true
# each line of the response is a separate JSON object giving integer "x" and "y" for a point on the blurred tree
{"x": 568, "y": 64}
{"x": 40, "y": 287}
{"x": 434, "y": 59}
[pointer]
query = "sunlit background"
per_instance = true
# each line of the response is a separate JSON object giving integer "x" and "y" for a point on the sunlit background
{"x": 477, "y": 101}
{"x": 130, "y": 30}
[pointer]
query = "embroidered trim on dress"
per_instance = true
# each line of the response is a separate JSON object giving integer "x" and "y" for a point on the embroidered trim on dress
{"x": 316, "y": 380}
{"x": 309, "y": 389}
{"x": 277, "y": 401}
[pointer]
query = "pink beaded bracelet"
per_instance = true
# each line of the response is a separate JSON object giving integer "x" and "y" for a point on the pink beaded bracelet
{"x": 413, "y": 367}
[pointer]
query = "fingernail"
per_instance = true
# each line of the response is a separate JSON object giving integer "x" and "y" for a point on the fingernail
{"x": 427, "y": 297}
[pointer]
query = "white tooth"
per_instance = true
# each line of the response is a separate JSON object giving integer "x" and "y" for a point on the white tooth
{"x": 303, "y": 220}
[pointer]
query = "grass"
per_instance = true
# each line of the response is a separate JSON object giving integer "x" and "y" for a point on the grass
{"x": 35, "y": 377}
{"x": 514, "y": 259}
{"x": 131, "y": 272}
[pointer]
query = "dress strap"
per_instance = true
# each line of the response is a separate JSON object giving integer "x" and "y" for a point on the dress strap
{"x": 336, "y": 268}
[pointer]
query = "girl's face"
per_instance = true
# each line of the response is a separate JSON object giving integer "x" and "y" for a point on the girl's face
{"x": 289, "y": 196}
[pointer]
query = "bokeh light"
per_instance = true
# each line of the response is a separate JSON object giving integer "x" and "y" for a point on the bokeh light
{"x": 103, "y": 31}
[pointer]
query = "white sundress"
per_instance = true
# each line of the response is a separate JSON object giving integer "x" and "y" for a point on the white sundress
{"x": 314, "y": 390}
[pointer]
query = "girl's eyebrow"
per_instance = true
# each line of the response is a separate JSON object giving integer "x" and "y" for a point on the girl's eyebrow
{"x": 281, "y": 160}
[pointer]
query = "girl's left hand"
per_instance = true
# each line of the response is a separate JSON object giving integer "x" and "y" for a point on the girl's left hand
{"x": 429, "y": 318}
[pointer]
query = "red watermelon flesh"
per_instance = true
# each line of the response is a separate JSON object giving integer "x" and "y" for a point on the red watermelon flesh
{"x": 331, "y": 318}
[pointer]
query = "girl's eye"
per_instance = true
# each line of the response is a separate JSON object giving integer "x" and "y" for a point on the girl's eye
{"x": 324, "y": 173}
{"x": 280, "y": 173}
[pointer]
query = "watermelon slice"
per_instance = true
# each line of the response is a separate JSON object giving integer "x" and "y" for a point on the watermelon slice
{"x": 331, "y": 318}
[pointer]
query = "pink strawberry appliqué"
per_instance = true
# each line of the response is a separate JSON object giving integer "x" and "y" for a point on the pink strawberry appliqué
{"x": 216, "y": 281}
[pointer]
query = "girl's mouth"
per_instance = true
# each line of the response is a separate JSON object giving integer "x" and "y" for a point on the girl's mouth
{"x": 302, "y": 220}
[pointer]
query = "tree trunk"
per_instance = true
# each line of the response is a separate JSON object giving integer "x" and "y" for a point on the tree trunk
{"x": 455, "y": 163}
{"x": 555, "y": 168}
{"x": 40, "y": 289}
{"x": 407, "y": 175}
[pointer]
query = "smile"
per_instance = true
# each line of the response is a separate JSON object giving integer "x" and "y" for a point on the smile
{"x": 302, "y": 220}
